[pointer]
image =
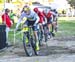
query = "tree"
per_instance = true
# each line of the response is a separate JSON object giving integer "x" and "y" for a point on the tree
{"x": 71, "y": 2}
{"x": 1, "y": 1}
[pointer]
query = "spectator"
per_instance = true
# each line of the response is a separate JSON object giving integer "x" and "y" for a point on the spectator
{"x": 12, "y": 16}
{"x": 63, "y": 12}
{"x": 7, "y": 21}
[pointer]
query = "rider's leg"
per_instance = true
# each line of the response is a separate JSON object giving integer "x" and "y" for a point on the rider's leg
{"x": 49, "y": 25}
{"x": 36, "y": 37}
{"x": 56, "y": 26}
{"x": 42, "y": 30}
{"x": 52, "y": 31}
{"x": 52, "y": 28}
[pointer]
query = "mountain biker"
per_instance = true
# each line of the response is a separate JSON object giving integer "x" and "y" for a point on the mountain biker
{"x": 42, "y": 19}
{"x": 55, "y": 16}
{"x": 48, "y": 14}
{"x": 40, "y": 14}
{"x": 32, "y": 20}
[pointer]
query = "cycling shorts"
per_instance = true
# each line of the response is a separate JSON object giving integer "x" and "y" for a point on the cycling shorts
{"x": 54, "y": 19}
{"x": 31, "y": 23}
{"x": 49, "y": 21}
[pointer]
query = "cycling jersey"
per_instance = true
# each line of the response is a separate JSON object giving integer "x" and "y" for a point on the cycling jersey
{"x": 31, "y": 18}
{"x": 41, "y": 16}
{"x": 48, "y": 14}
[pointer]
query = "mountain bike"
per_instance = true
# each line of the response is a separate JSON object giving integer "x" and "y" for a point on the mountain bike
{"x": 40, "y": 34}
{"x": 43, "y": 36}
{"x": 28, "y": 41}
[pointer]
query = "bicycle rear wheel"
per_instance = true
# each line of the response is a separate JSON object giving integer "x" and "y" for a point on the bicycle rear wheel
{"x": 40, "y": 37}
{"x": 27, "y": 45}
{"x": 45, "y": 34}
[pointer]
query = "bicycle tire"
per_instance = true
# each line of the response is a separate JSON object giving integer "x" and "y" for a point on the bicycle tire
{"x": 46, "y": 37}
{"x": 40, "y": 37}
{"x": 28, "y": 46}
{"x": 31, "y": 39}
{"x": 33, "y": 43}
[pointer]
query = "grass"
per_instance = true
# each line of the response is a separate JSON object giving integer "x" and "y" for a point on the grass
{"x": 18, "y": 37}
{"x": 66, "y": 28}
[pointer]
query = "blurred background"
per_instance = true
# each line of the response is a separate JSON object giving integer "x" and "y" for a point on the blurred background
{"x": 64, "y": 7}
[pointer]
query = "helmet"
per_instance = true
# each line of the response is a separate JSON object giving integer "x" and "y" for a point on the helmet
{"x": 36, "y": 9}
{"x": 26, "y": 8}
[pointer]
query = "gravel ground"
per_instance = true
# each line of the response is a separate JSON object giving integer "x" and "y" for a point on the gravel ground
{"x": 56, "y": 50}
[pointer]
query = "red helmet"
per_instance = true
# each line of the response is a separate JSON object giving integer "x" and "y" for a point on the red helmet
{"x": 36, "y": 9}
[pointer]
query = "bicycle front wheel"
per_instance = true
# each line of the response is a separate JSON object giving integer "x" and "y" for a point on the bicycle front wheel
{"x": 27, "y": 45}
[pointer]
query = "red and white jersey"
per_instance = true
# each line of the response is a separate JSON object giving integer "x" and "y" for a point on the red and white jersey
{"x": 47, "y": 13}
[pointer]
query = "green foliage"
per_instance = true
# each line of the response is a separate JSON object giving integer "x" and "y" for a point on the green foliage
{"x": 66, "y": 28}
{"x": 72, "y": 2}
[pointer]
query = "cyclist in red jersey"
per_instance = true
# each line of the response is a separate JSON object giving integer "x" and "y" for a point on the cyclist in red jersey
{"x": 41, "y": 16}
{"x": 42, "y": 20}
{"x": 49, "y": 15}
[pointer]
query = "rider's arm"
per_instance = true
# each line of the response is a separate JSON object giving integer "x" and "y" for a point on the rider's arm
{"x": 54, "y": 14}
{"x": 19, "y": 21}
{"x": 37, "y": 19}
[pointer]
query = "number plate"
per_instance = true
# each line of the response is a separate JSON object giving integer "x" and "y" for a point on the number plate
{"x": 25, "y": 29}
